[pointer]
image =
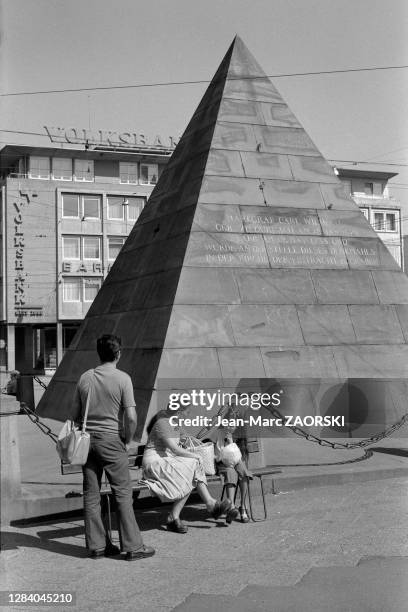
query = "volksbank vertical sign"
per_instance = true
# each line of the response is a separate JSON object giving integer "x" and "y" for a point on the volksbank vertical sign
{"x": 109, "y": 138}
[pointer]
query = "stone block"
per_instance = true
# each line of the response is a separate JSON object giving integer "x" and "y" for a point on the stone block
{"x": 266, "y": 165}
{"x": 278, "y": 115}
{"x": 402, "y": 312}
{"x": 235, "y": 361}
{"x": 336, "y": 196}
{"x": 369, "y": 254}
{"x": 92, "y": 328}
{"x": 224, "y": 163}
{"x": 299, "y": 361}
{"x": 305, "y": 252}
{"x": 294, "y": 194}
{"x": 241, "y": 111}
{"x": 152, "y": 332}
{"x": 375, "y": 324}
{"x": 207, "y": 286}
{"x": 234, "y": 136}
{"x": 287, "y": 286}
{"x": 260, "y": 89}
{"x": 225, "y": 190}
{"x": 344, "y": 287}
{"x": 218, "y": 218}
{"x": 226, "y": 250}
{"x": 326, "y": 325}
{"x": 255, "y": 325}
{"x": 392, "y": 287}
{"x": 285, "y": 140}
{"x": 162, "y": 288}
{"x": 205, "y": 325}
{"x": 130, "y": 327}
{"x": 315, "y": 169}
{"x": 78, "y": 362}
{"x": 370, "y": 361}
{"x": 345, "y": 223}
{"x": 271, "y": 220}
{"x": 141, "y": 365}
{"x": 198, "y": 362}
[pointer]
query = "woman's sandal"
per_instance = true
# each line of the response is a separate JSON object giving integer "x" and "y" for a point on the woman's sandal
{"x": 177, "y": 526}
{"x": 244, "y": 518}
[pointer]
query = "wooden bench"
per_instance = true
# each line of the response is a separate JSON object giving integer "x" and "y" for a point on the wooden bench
{"x": 135, "y": 462}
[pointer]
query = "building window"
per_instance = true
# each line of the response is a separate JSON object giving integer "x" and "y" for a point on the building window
{"x": 365, "y": 212}
{"x": 62, "y": 168}
{"x": 148, "y": 174}
{"x": 91, "y": 247}
{"x": 90, "y": 207}
{"x": 134, "y": 208}
{"x": 39, "y": 167}
{"x": 84, "y": 170}
{"x": 91, "y": 287}
{"x": 70, "y": 205}
{"x": 115, "y": 243}
{"x": 385, "y": 221}
{"x": 70, "y": 247}
{"x": 124, "y": 207}
{"x": 128, "y": 173}
{"x": 71, "y": 289}
{"x": 116, "y": 208}
{"x": 83, "y": 206}
{"x": 81, "y": 247}
{"x": 80, "y": 289}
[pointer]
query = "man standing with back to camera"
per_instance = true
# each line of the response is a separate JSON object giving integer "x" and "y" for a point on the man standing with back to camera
{"x": 111, "y": 424}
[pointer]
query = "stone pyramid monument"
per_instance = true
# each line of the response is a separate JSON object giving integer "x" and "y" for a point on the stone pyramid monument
{"x": 249, "y": 261}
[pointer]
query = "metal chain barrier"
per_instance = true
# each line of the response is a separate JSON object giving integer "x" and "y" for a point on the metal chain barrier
{"x": 35, "y": 419}
{"x": 336, "y": 445}
{"x": 40, "y": 382}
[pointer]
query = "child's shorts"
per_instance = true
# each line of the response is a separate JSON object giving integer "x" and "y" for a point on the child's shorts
{"x": 231, "y": 475}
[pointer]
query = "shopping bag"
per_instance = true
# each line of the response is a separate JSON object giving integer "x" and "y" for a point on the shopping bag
{"x": 73, "y": 442}
{"x": 229, "y": 455}
{"x": 205, "y": 450}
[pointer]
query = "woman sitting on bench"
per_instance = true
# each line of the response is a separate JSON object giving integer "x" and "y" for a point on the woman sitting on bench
{"x": 172, "y": 472}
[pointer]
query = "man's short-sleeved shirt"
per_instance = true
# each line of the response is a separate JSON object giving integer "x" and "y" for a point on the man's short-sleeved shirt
{"x": 111, "y": 392}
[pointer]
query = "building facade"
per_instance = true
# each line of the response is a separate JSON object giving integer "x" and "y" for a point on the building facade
{"x": 65, "y": 214}
{"x": 370, "y": 192}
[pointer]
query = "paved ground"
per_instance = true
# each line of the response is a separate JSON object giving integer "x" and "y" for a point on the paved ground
{"x": 320, "y": 527}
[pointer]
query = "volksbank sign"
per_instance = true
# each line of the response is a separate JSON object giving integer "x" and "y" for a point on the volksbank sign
{"x": 108, "y": 138}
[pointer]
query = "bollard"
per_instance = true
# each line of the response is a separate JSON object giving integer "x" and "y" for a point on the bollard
{"x": 25, "y": 390}
{"x": 9, "y": 467}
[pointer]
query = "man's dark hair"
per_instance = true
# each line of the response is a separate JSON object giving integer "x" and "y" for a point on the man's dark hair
{"x": 108, "y": 347}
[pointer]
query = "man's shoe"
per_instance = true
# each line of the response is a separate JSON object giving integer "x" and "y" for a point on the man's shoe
{"x": 141, "y": 553}
{"x": 97, "y": 554}
{"x": 232, "y": 514}
{"x": 221, "y": 508}
{"x": 177, "y": 526}
{"x": 110, "y": 551}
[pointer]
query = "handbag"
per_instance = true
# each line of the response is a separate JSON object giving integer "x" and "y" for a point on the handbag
{"x": 73, "y": 442}
{"x": 205, "y": 450}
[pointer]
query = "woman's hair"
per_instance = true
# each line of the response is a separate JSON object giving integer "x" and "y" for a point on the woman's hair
{"x": 162, "y": 414}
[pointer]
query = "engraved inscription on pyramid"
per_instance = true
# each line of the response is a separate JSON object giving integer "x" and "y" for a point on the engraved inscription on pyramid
{"x": 249, "y": 260}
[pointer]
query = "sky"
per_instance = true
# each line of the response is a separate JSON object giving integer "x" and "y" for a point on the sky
{"x": 66, "y": 44}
